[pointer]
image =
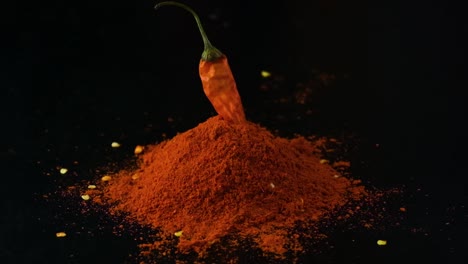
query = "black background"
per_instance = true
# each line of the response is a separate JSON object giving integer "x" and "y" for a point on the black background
{"x": 78, "y": 75}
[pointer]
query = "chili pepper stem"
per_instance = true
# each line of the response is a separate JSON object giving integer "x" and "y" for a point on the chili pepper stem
{"x": 210, "y": 53}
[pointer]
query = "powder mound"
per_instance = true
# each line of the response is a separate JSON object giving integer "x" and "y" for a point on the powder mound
{"x": 221, "y": 178}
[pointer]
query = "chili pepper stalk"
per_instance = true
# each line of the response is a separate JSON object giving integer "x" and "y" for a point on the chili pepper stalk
{"x": 216, "y": 75}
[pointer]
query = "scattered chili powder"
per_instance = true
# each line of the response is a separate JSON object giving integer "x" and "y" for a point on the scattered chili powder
{"x": 221, "y": 178}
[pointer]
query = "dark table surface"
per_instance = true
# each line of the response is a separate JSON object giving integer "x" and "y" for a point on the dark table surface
{"x": 79, "y": 76}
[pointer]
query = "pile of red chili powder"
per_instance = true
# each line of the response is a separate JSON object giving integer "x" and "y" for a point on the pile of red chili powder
{"x": 221, "y": 178}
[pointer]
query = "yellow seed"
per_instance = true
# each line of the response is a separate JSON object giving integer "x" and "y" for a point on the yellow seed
{"x": 135, "y": 176}
{"x": 323, "y": 161}
{"x": 139, "y": 149}
{"x": 63, "y": 170}
{"x": 178, "y": 234}
{"x": 60, "y": 234}
{"x": 85, "y": 197}
{"x": 381, "y": 242}
{"x": 115, "y": 144}
{"x": 92, "y": 186}
{"x": 106, "y": 178}
{"x": 265, "y": 74}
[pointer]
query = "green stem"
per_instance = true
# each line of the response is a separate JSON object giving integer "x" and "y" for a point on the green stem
{"x": 210, "y": 53}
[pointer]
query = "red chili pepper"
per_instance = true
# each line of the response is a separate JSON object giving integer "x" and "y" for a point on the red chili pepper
{"x": 216, "y": 76}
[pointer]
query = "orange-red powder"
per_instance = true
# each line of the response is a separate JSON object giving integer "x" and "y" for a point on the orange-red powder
{"x": 221, "y": 178}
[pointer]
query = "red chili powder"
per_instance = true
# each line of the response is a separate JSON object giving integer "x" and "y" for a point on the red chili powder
{"x": 221, "y": 178}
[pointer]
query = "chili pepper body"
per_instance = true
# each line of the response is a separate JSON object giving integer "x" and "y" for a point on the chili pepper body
{"x": 216, "y": 76}
{"x": 220, "y": 88}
